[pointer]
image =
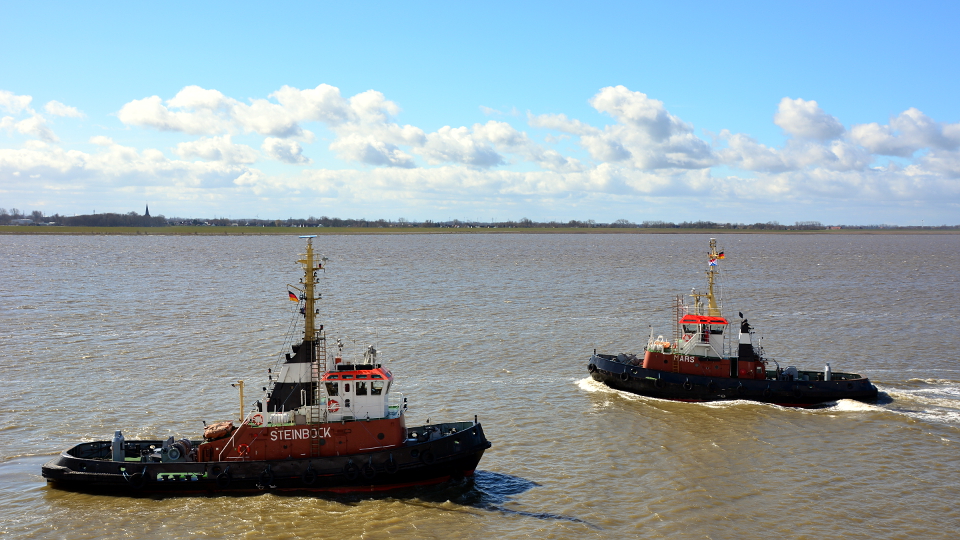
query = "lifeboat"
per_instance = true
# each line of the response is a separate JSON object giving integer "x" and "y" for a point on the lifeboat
{"x": 322, "y": 424}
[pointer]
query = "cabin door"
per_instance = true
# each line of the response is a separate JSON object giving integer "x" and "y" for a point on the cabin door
{"x": 734, "y": 368}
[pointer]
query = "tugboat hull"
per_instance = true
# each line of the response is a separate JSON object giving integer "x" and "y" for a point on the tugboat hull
{"x": 453, "y": 451}
{"x": 686, "y": 387}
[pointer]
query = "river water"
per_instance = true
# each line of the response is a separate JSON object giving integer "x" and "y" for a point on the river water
{"x": 146, "y": 334}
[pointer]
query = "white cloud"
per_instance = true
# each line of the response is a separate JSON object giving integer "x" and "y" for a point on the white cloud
{"x": 217, "y": 149}
{"x": 35, "y": 126}
{"x": 372, "y": 151}
{"x": 560, "y": 122}
{"x": 643, "y": 154}
{"x": 635, "y": 109}
{"x": 151, "y": 112}
{"x": 101, "y": 140}
{"x": 114, "y": 166}
{"x": 459, "y": 145}
{"x": 15, "y": 104}
{"x": 285, "y": 151}
{"x": 909, "y": 132}
{"x": 59, "y": 109}
{"x": 321, "y": 104}
{"x": 806, "y": 120}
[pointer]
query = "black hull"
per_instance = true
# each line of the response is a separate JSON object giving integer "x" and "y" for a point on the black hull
{"x": 451, "y": 455}
{"x": 684, "y": 387}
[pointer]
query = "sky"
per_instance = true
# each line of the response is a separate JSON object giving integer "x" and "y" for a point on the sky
{"x": 740, "y": 112}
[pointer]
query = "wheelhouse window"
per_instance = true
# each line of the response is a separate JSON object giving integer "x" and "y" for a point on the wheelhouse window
{"x": 376, "y": 388}
{"x": 332, "y": 389}
{"x": 361, "y": 389}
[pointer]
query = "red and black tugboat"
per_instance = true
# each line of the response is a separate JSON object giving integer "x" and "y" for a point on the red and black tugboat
{"x": 703, "y": 362}
{"x": 333, "y": 427}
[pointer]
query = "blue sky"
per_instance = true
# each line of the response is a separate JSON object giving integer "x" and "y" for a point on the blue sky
{"x": 841, "y": 112}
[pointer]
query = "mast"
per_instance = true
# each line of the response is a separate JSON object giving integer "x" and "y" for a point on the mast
{"x": 712, "y": 273}
{"x": 310, "y": 268}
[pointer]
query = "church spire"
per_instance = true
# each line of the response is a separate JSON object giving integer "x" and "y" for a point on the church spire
{"x": 147, "y": 213}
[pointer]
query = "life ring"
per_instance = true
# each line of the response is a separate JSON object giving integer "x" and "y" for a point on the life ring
{"x": 224, "y": 479}
{"x": 624, "y": 376}
{"x": 368, "y": 471}
{"x": 243, "y": 449}
{"x": 333, "y": 405}
{"x": 686, "y": 337}
{"x": 427, "y": 457}
{"x": 256, "y": 420}
{"x": 351, "y": 471}
{"x": 687, "y": 385}
{"x": 309, "y": 476}
{"x": 391, "y": 466}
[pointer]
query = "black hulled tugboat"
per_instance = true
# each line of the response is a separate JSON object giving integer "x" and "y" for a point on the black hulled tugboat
{"x": 320, "y": 426}
{"x": 702, "y": 362}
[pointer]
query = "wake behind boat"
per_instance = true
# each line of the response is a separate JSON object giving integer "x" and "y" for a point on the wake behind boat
{"x": 701, "y": 362}
{"x": 334, "y": 427}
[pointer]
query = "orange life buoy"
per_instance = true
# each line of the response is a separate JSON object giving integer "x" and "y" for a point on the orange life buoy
{"x": 333, "y": 405}
{"x": 256, "y": 420}
{"x": 686, "y": 337}
{"x": 243, "y": 449}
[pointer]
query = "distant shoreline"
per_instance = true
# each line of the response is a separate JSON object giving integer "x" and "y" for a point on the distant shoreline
{"x": 266, "y": 231}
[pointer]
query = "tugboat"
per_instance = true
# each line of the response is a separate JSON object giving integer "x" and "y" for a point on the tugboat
{"x": 334, "y": 427}
{"x": 701, "y": 362}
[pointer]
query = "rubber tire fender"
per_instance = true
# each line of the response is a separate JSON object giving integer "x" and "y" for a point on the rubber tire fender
{"x": 309, "y": 476}
{"x": 224, "y": 479}
{"x": 391, "y": 466}
{"x": 266, "y": 477}
{"x": 351, "y": 471}
{"x": 368, "y": 471}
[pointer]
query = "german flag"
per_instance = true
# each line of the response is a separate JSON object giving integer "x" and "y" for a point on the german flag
{"x": 293, "y": 297}
{"x": 720, "y": 255}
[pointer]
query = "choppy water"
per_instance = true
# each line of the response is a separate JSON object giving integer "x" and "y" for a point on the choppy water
{"x": 146, "y": 334}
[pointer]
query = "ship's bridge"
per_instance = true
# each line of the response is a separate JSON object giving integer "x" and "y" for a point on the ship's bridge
{"x": 357, "y": 392}
{"x": 702, "y": 334}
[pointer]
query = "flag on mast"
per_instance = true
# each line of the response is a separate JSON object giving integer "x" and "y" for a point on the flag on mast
{"x": 293, "y": 297}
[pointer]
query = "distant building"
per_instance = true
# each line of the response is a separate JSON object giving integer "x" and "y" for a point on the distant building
{"x": 147, "y": 213}
{"x": 25, "y": 221}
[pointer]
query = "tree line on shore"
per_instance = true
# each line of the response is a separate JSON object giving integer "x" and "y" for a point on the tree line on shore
{"x": 132, "y": 219}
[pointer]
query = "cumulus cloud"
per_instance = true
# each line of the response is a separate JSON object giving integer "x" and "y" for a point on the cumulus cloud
{"x": 907, "y": 133}
{"x": 635, "y": 109}
{"x": 59, "y": 109}
{"x": 285, "y": 151}
{"x": 35, "y": 126}
{"x": 101, "y": 140}
{"x": 15, "y": 104}
{"x": 806, "y": 120}
{"x": 217, "y": 149}
{"x": 115, "y": 165}
{"x": 641, "y": 151}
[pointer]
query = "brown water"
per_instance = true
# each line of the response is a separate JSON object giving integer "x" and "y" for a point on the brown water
{"x": 145, "y": 334}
